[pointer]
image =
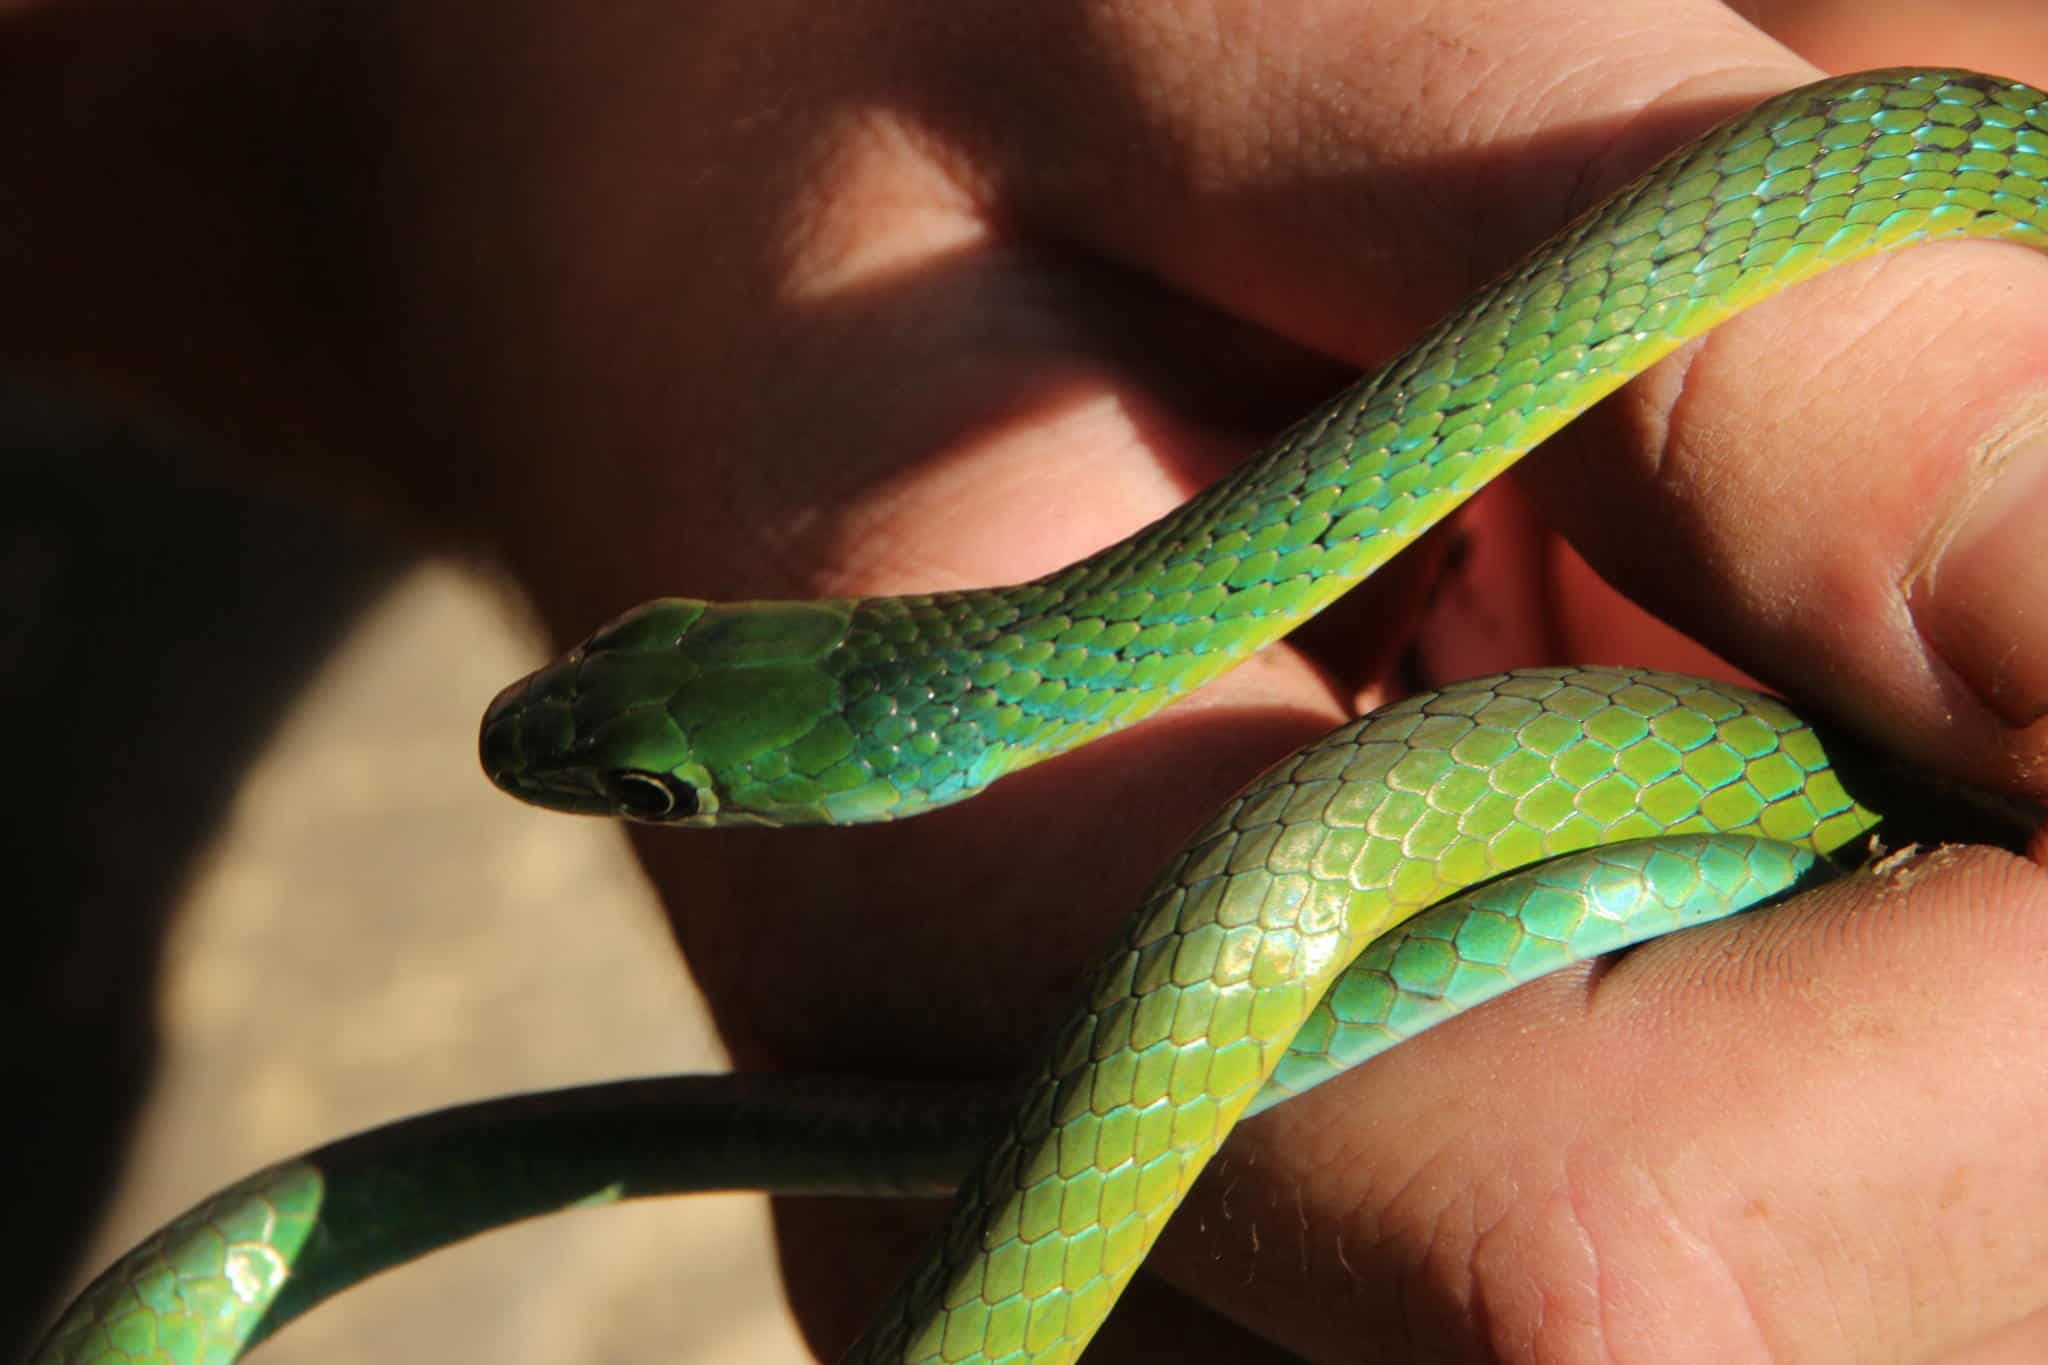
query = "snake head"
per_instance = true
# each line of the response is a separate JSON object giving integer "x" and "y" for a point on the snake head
{"x": 682, "y": 713}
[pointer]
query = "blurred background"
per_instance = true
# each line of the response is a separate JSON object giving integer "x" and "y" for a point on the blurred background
{"x": 264, "y": 897}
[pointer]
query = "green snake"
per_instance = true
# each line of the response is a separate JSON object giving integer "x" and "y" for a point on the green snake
{"x": 1392, "y": 873}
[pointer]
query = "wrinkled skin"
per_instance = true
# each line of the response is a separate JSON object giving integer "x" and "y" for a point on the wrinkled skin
{"x": 783, "y": 300}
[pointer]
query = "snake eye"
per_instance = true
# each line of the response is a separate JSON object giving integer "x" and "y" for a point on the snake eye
{"x": 653, "y": 796}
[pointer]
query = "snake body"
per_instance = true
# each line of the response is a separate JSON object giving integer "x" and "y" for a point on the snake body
{"x": 1261, "y": 960}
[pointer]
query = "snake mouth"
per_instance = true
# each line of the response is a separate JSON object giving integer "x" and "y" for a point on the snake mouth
{"x": 565, "y": 795}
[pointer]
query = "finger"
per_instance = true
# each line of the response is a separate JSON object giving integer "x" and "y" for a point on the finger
{"x": 1344, "y": 173}
{"x": 1851, "y": 35}
{"x": 1805, "y": 1134}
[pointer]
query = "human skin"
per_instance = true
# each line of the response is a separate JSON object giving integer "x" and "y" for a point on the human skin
{"x": 790, "y": 300}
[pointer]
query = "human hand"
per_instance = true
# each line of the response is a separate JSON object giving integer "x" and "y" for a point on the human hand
{"x": 1658, "y": 1118}
{"x": 789, "y": 302}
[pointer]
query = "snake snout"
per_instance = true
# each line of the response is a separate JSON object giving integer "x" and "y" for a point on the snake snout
{"x": 498, "y": 738}
{"x": 502, "y": 746}
{"x": 508, "y": 697}
{"x": 527, "y": 741}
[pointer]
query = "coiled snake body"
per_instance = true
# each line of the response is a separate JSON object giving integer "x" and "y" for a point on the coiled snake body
{"x": 1398, "y": 870}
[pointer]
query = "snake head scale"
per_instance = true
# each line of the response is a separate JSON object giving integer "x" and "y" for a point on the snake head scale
{"x": 688, "y": 713}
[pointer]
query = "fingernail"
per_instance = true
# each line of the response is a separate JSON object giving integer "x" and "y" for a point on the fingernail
{"x": 1981, "y": 596}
